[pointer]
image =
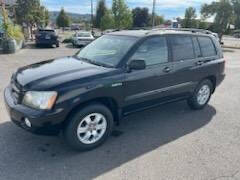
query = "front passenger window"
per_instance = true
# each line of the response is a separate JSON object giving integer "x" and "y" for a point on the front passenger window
{"x": 154, "y": 51}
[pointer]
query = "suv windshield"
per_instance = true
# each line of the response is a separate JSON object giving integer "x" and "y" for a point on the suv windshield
{"x": 107, "y": 50}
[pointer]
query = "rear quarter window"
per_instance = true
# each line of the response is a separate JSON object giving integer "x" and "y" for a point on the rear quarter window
{"x": 207, "y": 47}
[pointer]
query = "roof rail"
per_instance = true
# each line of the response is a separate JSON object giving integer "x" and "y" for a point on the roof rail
{"x": 185, "y": 29}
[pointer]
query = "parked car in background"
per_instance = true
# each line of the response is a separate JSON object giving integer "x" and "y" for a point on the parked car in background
{"x": 97, "y": 34}
{"x": 236, "y": 34}
{"x": 67, "y": 28}
{"x": 108, "y": 31}
{"x": 82, "y": 38}
{"x": 118, "y": 74}
{"x": 47, "y": 37}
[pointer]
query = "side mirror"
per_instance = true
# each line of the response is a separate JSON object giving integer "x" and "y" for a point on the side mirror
{"x": 137, "y": 65}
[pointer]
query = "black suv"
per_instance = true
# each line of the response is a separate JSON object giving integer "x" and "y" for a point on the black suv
{"x": 47, "y": 37}
{"x": 120, "y": 73}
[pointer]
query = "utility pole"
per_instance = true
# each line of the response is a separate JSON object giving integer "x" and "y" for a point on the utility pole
{"x": 153, "y": 13}
{"x": 92, "y": 14}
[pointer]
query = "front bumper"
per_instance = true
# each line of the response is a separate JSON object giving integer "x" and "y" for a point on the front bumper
{"x": 43, "y": 122}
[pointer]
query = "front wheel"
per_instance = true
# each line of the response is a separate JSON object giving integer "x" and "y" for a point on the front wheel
{"x": 89, "y": 127}
{"x": 201, "y": 95}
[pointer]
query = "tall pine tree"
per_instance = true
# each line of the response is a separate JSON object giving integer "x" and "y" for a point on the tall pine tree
{"x": 101, "y": 11}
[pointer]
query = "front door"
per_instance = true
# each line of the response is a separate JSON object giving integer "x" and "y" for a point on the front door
{"x": 144, "y": 87}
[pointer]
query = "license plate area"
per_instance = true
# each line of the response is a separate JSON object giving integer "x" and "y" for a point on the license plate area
{"x": 47, "y": 37}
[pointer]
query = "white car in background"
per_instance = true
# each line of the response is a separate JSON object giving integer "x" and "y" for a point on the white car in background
{"x": 82, "y": 38}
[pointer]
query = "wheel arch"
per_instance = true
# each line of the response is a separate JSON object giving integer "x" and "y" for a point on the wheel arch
{"x": 213, "y": 80}
{"x": 109, "y": 102}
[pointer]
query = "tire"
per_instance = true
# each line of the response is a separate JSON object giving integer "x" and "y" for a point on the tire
{"x": 201, "y": 95}
{"x": 57, "y": 45}
{"x": 81, "y": 125}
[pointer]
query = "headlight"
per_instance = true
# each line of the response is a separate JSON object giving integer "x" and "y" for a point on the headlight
{"x": 40, "y": 100}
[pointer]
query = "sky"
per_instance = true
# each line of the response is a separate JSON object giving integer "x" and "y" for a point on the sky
{"x": 168, "y": 8}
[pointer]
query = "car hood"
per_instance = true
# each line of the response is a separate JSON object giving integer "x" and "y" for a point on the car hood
{"x": 49, "y": 74}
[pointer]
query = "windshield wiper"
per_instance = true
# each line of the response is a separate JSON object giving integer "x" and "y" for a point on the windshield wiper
{"x": 95, "y": 62}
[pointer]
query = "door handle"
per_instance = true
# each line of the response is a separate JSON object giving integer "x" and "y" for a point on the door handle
{"x": 167, "y": 69}
{"x": 199, "y": 63}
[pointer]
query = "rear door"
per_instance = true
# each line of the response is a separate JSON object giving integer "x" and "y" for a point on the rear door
{"x": 191, "y": 56}
{"x": 185, "y": 53}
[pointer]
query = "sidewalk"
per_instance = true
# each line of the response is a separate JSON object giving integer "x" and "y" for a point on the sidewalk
{"x": 231, "y": 42}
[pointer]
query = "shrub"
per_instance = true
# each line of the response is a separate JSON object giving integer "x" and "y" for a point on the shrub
{"x": 11, "y": 31}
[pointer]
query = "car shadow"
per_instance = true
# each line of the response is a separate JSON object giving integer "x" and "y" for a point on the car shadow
{"x": 137, "y": 135}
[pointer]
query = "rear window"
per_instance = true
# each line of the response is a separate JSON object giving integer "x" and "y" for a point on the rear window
{"x": 207, "y": 47}
{"x": 182, "y": 48}
{"x": 46, "y": 31}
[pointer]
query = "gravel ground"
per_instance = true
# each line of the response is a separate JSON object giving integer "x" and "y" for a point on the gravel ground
{"x": 169, "y": 142}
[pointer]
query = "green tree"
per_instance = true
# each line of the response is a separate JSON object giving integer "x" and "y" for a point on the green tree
{"x": 140, "y": 17}
{"x": 101, "y": 10}
{"x": 222, "y": 10}
{"x": 236, "y": 9}
{"x": 190, "y": 18}
{"x": 31, "y": 13}
{"x": 42, "y": 17}
{"x": 107, "y": 21}
{"x": 122, "y": 14}
{"x": 159, "y": 20}
{"x": 202, "y": 24}
{"x": 63, "y": 20}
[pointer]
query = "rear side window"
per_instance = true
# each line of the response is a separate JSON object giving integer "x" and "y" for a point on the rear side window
{"x": 207, "y": 47}
{"x": 154, "y": 51}
{"x": 182, "y": 48}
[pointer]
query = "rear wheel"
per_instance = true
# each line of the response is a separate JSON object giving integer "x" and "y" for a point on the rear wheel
{"x": 201, "y": 95}
{"x": 89, "y": 127}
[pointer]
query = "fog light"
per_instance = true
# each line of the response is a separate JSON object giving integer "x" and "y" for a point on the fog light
{"x": 27, "y": 122}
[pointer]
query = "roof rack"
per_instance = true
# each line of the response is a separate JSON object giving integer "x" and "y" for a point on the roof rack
{"x": 186, "y": 30}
